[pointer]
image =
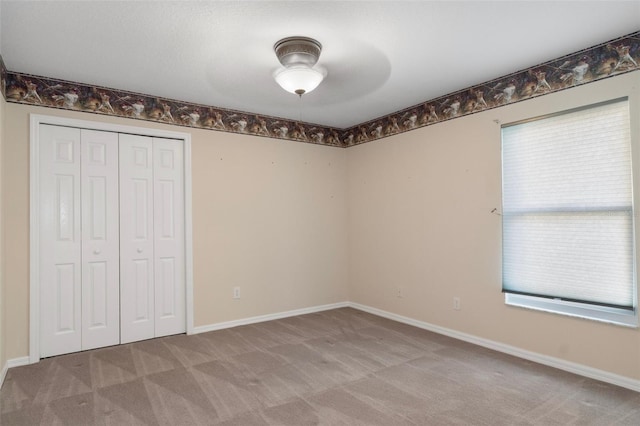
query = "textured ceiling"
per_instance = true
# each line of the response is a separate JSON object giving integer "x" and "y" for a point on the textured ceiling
{"x": 381, "y": 56}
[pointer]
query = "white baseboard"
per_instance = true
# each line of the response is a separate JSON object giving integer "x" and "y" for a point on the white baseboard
{"x": 268, "y": 317}
{"x": 561, "y": 364}
{"x": 15, "y": 362}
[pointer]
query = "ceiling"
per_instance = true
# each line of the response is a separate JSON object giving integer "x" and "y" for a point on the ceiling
{"x": 381, "y": 56}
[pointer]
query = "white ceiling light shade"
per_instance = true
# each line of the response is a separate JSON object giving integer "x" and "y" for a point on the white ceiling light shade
{"x": 298, "y": 79}
{"x": 298, "y": 55}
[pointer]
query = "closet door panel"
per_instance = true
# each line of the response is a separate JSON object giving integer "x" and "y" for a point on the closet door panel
{"x": 170, "y": 315}
{"x": 137, "y": 301}
{"x": 60, "y": 240}
{"x": 100, "y": 240}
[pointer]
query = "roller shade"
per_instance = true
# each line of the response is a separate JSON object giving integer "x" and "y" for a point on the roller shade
{"x": 567, "y": 207}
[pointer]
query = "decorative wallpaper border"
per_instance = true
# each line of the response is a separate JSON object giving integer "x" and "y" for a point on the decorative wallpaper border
{"x": 605, "y": 60}
{"x": 3, "y": 77}
{"x": 60, "y": 94}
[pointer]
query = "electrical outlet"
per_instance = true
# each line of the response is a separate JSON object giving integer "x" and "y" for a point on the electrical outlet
{"x": 236, "y": 292}
{"x": 456, "y": 303}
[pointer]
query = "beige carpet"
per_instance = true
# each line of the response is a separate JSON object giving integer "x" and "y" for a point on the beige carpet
{"x": 340, "y": 367}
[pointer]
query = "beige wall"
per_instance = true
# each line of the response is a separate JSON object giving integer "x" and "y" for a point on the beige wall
{"x": 3, "y": 358}
{"x": 420, "y": 219}
{"x": 277, "y": 219}
{"x": 268, "y": 216}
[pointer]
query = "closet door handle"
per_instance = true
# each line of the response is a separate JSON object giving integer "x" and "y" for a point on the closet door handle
{"x": 139, "y": 250}
{"x": 96, "y": 251}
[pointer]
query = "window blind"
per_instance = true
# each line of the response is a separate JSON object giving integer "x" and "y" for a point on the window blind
{"x": 567, "y": 207}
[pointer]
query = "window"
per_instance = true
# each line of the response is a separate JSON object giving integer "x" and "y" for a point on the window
{"x": 567, "y": 214}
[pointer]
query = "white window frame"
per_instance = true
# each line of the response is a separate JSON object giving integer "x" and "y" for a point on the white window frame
{"x": 612, "y": 315}
{"x": 575, "y": 309}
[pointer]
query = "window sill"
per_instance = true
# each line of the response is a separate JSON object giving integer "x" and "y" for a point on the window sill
{"x": 580, "y": 310}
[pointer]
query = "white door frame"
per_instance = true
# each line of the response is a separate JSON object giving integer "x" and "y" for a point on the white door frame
{"x": 34, "y": 222}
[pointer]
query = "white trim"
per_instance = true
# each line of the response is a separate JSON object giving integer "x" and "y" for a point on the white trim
{"x": 34, "y": 240}
{"x": 15, "y": 362}
{"x": 34, "y": 244}
{"x": 268, "y": 317}
{"x": 108, "y": 127}
{"x": 188, "y": 233}
{"x": 561, "y": 364}
{"x": 604, "y": 314}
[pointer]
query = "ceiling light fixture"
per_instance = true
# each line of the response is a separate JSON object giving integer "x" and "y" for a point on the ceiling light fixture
{"x": 298, "y": 55}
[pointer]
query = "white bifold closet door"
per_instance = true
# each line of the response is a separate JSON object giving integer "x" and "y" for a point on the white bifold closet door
{"x": 79, "y": 247}
{"x": 151, "y": 237}
{"x": 111, "y": 238}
